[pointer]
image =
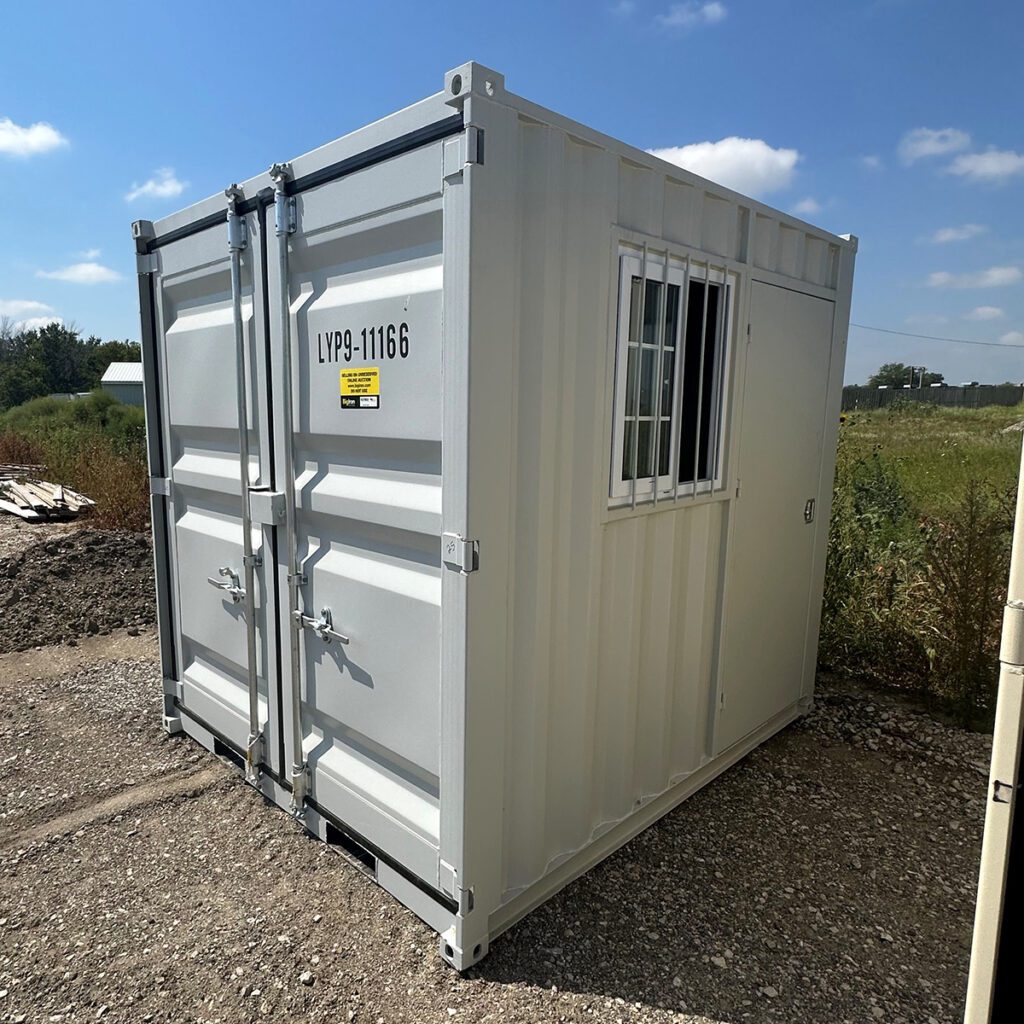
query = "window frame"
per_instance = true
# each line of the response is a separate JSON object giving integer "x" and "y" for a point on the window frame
{"x": 667, "y": 269}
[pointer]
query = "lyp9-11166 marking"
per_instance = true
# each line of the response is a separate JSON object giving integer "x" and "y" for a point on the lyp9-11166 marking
{"x": 384, "y": 341}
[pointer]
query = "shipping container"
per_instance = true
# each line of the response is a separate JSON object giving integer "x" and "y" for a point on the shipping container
{"x": 491, "y": 467}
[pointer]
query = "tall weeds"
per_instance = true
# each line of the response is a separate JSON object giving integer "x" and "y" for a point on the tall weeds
{"x": 913, "y": 600}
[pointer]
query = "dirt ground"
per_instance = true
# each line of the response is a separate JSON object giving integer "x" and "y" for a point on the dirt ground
{"x": 828, "y": 877}
{"x": 62, "y": 581}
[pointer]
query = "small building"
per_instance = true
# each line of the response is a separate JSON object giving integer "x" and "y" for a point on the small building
{"x": 124, "y": 382}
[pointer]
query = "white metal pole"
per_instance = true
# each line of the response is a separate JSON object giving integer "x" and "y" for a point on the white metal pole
{"x": 1002, "y": 788}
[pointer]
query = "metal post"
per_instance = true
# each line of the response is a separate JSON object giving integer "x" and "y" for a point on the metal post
{"x": 639, "y": 376}
{"x": 659, "y": 370}
{"x": 237, "y": 242}
{"x": 677, "y": 401}
{"x": 700, "y": 375}
{"x": 284, "y": 225}
{"x": 987, "y": 979}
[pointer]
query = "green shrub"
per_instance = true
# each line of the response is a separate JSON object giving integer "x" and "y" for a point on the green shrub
{"x": 95, "y": 445}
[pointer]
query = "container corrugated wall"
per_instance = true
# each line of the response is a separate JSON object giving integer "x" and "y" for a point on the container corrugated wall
{"x": 612, "y": 618}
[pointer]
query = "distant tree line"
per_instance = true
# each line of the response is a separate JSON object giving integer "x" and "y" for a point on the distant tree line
{"x": 895, "y": 375}
{"x": 54, "y": 359}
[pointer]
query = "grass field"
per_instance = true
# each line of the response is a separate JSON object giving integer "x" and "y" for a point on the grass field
{"x": 919, "y": 551}
{"x": 938, "y": 451}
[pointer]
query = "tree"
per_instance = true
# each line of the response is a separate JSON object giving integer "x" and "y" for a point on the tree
{"x": 895, "y": 375}
{"x": 53, "y": 359}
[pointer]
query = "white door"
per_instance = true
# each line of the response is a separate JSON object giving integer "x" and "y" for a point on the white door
{"x": 772, "y": 546}
{"x": 365, "y": 296}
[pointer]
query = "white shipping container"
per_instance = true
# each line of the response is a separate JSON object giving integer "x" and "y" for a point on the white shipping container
{"x": 539, "y": 445}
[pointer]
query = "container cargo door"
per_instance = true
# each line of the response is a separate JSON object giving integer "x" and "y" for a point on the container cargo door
{"x": 365, "y": 313}
{"x": 772, "y": 544}
{"x": 198, "y": 374}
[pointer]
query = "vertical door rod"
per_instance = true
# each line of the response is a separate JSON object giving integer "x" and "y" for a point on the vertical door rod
{"x": 284, "y": 225}
{"x": 237, "y": 242}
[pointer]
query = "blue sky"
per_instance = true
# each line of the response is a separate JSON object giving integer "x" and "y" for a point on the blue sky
{"x": 901, "y": 121}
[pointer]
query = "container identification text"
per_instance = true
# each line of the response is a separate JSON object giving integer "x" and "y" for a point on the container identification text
{"x": 384, "y": 341}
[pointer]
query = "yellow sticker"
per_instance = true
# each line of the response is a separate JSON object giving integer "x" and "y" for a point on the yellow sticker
{"x": 360, "y": 388}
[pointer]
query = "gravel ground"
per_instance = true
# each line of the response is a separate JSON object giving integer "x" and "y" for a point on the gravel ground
{"x": 828, "y": 877}
{"x": 60, "y": 584}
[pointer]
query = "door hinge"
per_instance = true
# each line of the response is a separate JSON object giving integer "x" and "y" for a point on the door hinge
{"x": 467, "y": 148}
{"x": 449, "y": 879}
{"x": 460, "y": 554}
{"x": 474, "y": 144}
{"x": 748, "y": 333}
{"x": 738, "y": 483}
{"x": 147, "y": 262}
{"x": 160, "y": 485}
{"x": 809, "y": 510}
{"x": 1002, "y": 792}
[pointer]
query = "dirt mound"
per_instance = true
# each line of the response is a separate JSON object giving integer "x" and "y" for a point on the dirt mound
{"x": 85, "y": 582}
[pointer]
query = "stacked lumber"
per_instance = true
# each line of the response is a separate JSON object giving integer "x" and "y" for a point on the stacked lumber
{"x": 37, "y": 499}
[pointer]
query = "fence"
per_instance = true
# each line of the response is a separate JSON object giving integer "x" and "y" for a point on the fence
{"x": 857, "y": 397}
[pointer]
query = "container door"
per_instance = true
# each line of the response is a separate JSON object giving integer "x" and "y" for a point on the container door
{"x": 198, "y": 370}
{"x": 365, "y": 294}
{"x": 771, "y": 549}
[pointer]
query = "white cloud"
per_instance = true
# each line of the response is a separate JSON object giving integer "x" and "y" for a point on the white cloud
{"x": 88, "y": 254}
{"x": 23, "y": 307}
{"x": 960, "y": 233}
{"x": 807, "y": 207}
{"x": 16, "y": 140}
{"x": 993, "y": 277}
{"x": 985, "y": 313}
{"x": 163, "y": 185}
{"x": 691, "y": 15}
{"x": 746, "y": 165}
{"x": 925, "y": 142}
{"x": 994, "y": 166}
{"x": 82, "y": 273}
{"x": 871, "y": 162}
{"x": 1013, "y": 338}
{"x": 35, "y": 323}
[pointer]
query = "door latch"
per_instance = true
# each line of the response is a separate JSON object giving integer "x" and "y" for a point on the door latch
{"x": 229, "y": 585}
{"x": 809, "y": 510}
{"x": 323, "y": 627}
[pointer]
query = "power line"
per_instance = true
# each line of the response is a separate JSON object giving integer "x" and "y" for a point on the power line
{"x": 931, "y": 337}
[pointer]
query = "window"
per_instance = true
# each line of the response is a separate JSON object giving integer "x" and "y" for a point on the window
{"x": 670, "y": 361}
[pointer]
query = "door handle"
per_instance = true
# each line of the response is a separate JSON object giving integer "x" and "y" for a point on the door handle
{"x": 323, "y": 627}
{"x": 229, "y": 585}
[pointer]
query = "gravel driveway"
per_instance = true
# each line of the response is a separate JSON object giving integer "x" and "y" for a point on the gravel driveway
{"x": 828, "y": 877}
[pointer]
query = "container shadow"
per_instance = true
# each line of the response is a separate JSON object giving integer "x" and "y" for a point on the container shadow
{"x": 772, "y": 894}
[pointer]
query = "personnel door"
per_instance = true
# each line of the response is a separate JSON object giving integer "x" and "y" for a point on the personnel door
{"x": 771, "y": 549}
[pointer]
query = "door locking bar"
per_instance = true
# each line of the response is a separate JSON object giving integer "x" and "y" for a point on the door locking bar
{"x": 238, "y": 241}
{"x": 323, "y": 627}
{"x": 285, "y": 225}
{"x": 230, "y": 585}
